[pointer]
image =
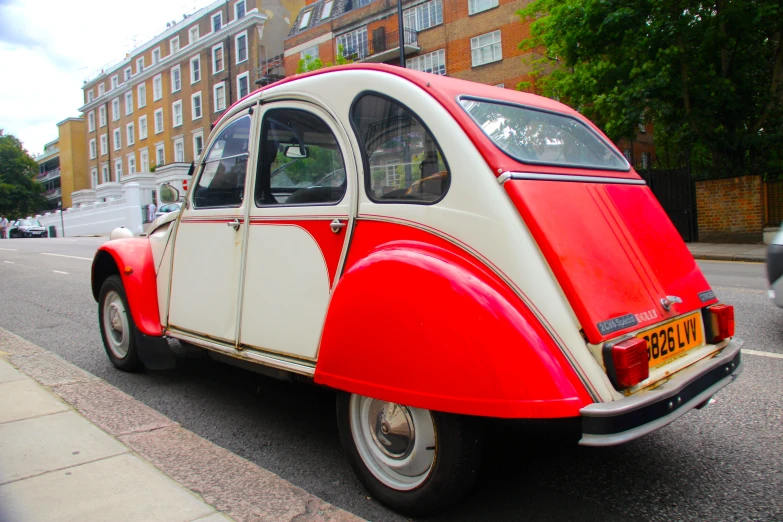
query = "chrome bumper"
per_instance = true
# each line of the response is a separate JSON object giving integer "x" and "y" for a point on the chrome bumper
{"x": 616, "y": 422}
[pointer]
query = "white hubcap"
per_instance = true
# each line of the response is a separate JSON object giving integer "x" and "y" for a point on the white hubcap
{"x": 115, "y": 325}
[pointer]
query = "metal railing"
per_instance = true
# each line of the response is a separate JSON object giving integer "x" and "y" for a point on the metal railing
{"x": 51, "y": 174}
{"x": 377, "y": 45}
{"x": 54, "y": 193}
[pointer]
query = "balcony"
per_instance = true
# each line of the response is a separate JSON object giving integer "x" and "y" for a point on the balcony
{"x": 51, "y": 174}
{"x": 54, "y": 193}
{"x": 48, "y": 153}
{"x": 384, "y": 47}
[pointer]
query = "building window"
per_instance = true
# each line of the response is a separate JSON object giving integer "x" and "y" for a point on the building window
{"x": 158, "y": 121}
{"x": 176, "y": 79}
{"x": 144, "y": 160}
{"x": 94, "y": 176}
{"x": 143, "y": 128}
{"x": 118, "y": 168}
{"x": 115, "y": 109}
{"x": 193, "y": 35}
{"x": 220, "y": 97}
{"x": 127, "y": 74}
{"x": 174, "y": 45}
{"x": 179, "y": 150}
{"x": 117, "y": 139}
{"x": 139, "y": 65}
{"x": 104, "y": 144}
{"x": 326, "y": 12}
{"x": 354, "y": 42}
{"x": 239, "y": 10}
{"x": 176, "y": 113}
{"x": 309, "y": 55}
{"x": 217, "y": 58}
{"x": 198, "y": 145}
{"x": 115, "y": 81}
{"x": 101, "y": 89}
{"x": 501, "y": 85}
{"x": 424, "y": 16}
{"x": 241, "y": 47}
{"x": 195, "y": 69}
{"x": 434, "y": 62}
{"x": 141, "y": 94}
{"x": 217, "y": 22}
{"x": 645, "y": 160}
{"x": 155, "y": 55}
{"x": 131, "y": 132}
{"x": 91, "y": 121}
{"x": 160, "y": 154}
{"x": 243, "y": 85}
{"x": 486, "y": 48}
{"x": 102, "y": 115}
{"x": 305, "y": 21}
{"x": 93, "y": 152}
{"x": 132, "y": 164}
{"x": 362, "y": 3}
{"x": 128, "y": 103}
{"x": 157, "y": 88}
{"x": 476, "y": 6}
{"x": 90, "y": 95}
{"x": 105, "y": 173}
{"x": 195, "y": 104}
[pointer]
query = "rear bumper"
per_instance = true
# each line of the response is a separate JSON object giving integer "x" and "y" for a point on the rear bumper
{"x": 616, "y": 422}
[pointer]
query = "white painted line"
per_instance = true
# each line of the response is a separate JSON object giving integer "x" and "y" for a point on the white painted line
{"x": 763, "y": 354}
{"x": 59, "y": 272}
{"x": 9, "y": 262}
{"x": 63, "y": 255}
{"x": 9, "y": 249}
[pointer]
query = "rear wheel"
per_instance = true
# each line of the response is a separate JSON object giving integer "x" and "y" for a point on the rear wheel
{"x": 414, "y": 460}
{"x": 117, "y": 327}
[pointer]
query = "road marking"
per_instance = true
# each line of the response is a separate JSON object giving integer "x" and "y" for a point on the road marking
{"x": 63, "y": 255}
{"x": 59, "y": 272}
{"x": 763, "y": 354}
{"x": 9, "y": 262}
{"x": 9, "y": 249}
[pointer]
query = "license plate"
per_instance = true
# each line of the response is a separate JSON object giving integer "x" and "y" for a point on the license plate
{"x": 672, "y": 339}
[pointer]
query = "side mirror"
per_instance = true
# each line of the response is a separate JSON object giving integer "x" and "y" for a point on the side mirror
{"x": 168, "y": 194}
{"x": 296, "y": 152}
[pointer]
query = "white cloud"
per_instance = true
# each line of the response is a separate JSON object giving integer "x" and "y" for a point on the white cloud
{"x": 48, "y": 48}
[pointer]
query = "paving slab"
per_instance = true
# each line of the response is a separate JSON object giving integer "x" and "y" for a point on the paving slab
{"x": 26, "y": 399}
{"x": 49, "y": 369}
{"x": 8, "y": 373}
{"x": 217, "y": 517}
{"x": 34, "y": 446}
{"x": 117, "y": 489}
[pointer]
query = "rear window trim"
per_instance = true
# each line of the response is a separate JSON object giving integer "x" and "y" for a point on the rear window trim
{"x": 611, "y": 146}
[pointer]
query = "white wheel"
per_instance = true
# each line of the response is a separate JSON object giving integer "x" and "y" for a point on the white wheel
{"x": 117, "y": 330}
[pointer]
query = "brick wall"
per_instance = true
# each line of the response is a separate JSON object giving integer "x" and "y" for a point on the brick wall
{"x": 730, "y": 210}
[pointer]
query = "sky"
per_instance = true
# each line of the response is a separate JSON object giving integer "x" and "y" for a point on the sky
{"x": 48, "y": 48}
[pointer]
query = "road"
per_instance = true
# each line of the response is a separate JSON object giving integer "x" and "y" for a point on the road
{"x": 724, "y": 462}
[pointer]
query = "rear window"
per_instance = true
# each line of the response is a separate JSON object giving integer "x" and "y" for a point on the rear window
{"x": 541, "y": 137}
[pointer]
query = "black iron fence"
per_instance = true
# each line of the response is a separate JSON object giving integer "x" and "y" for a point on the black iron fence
{"x": 675, "y": 191}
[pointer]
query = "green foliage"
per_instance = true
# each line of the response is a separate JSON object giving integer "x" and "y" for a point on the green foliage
{"x": 20, "y": 193}
{"x": 308, "y": 63}
{"x": 708, "y": 74}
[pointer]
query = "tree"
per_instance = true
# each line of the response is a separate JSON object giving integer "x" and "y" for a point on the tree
{"x": 20, "y": 193}
{"x": 308, "y": 63}
{"x": 709, "y": 74}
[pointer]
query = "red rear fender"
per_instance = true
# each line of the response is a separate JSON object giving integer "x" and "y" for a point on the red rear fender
{"x": 140, "y": 285}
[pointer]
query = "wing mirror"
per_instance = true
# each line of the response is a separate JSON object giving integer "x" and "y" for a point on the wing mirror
{"x": 296, "y": 152}
{"x": 168, "y": 194}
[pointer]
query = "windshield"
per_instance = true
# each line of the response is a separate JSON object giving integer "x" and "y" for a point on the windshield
{"x": 536, "y": 136}
{"x": 29, "y": 223}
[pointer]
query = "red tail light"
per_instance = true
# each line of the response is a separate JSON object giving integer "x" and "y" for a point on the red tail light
{"x": 629, "y": 359}
{"x": 722, "y": 323}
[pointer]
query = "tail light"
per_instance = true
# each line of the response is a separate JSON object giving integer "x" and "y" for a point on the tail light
{"x": 626, "y": 362}
{"x": 721, "y": 324}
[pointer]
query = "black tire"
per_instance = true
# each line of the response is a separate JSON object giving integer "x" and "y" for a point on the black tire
{"x": 456, "y": 464}
{"x": 120, "y": 340}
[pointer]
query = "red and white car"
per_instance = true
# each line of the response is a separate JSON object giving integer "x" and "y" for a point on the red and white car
{"x": 439, "y": 251}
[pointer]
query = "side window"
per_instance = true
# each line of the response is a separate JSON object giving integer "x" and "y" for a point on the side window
{"x": 405, "y": 163}
{"x": 300, "y": 161}
{"x": 222, "y": 180}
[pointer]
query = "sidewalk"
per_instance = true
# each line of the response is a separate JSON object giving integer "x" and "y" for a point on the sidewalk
{"x": 74, "y": 448}
{"x": 729, "y": 252}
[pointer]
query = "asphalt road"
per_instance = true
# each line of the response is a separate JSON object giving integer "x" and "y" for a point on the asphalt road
{"x": 724, "y": 462}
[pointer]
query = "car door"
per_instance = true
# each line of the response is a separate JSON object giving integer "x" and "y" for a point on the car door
{"x": 209, "y": 241}
{"x": 299, "y": 219}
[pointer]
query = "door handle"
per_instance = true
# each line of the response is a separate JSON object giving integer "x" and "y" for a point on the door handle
{"x": 235, "y": 224}
{"x": 336, "y": 225}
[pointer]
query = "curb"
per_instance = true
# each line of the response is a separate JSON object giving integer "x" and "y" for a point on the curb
{"x": 730, "y": 257}
{"x": 229, "y": 483}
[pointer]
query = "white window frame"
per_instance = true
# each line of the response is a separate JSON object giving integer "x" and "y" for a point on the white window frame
{"x": 105, "y": 173}
{"x": 117, "y": 139}
{"x": 176, "y": 72}
{"x": 423, "y": 16}
{"x": 326, "y": 11}
{"x": 101, "y": 89}
{"x": 196, "y": 152}
{"x": 104, "y": 144}
{"x": 141, "y": 94}
{"x": 174, "y": 42}
{"x": 197, "y": 60}
{"x": 433, "y": 63}
{"x": 176, "y": 113}
{"x": 157, "y": 87}
{"x": 115, "y": 81}
{"x": 236, "y": 11}
{"x": 212, "y": 27}
{"x": 193, "y": 39}
{"x": 496, "y": 44}
{"x": 143, "y": 127}
{"x": 144, "y": 160}
{"x": 305, "y": 20}
{"x": 243, "y": 76}
{"x": 157, "y": 120}
{"x": 94, "y": 176}
{"x": 90, "y": 95}
{"x": 91, "y": 121}
{"x": 139, "y": 64}
{"x": 309, "y": 54}
{"x": 181, "y": 143}
{"x": 128, "y": 103}
{"x": 160, "y": 159}
{"x": 479, "y": 6}
{"x": 102, "y": 115}
{"x": 193, "y": 105}
{"x": 354, "y": 40}
{"x": 155, "y": 55}
{"x": 130, "y": 133}
{"x": 131, "y": 163}
{"x": 236, "y": 47}
{"x": 118, "y": 169}
{"x": 115, "y": 109}
{"x": 126, "y": 74}
{"x": 222, "y": 58}
{"x": 215, "y": 89}
{"x": 93, "y": 149}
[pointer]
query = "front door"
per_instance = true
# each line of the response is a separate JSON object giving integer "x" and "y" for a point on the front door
{"x": 208, "y": 245}
{"x": 299, "y": 218}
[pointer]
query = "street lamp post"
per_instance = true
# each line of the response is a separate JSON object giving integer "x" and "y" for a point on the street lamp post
{"x": 62, "y": 222}
{"x": 402, "y": 33}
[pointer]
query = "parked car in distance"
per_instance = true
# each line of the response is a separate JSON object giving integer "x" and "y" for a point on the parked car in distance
{"x": 441, "y": 253}
{"x": 165, "y": 209}
{"x": 775, "y": 269}
{"x": 27, "y": 228}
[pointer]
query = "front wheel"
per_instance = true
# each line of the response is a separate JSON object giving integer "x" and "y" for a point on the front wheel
{"x": 415, "y": 461}
{"x": 117, "y": 327}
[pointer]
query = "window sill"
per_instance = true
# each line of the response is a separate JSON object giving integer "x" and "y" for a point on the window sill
{"x": 484, "y": 10}
{"x": 485, "y": 64}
